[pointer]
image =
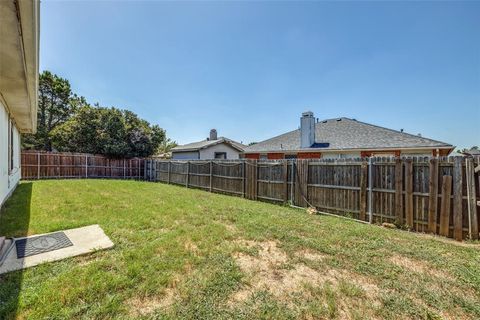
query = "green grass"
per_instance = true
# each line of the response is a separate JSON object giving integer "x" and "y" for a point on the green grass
{"x": 184, "y": 253}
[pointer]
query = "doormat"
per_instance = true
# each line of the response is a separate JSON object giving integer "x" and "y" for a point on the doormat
{"x": 41, "y": 244}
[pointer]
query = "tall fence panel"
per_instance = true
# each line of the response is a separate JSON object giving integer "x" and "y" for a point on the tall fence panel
{"x": 60, "y": 165}
{"x": 434, "y": 195}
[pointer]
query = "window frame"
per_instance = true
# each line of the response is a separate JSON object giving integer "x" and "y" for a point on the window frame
{"x": 215, "y": 156}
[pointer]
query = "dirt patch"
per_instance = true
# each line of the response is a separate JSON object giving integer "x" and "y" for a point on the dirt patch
{"x": 230, "y": 227}
{"x": 142, "y": 306}
{"x": 146, "y": 305}
{"x": 227, "y": 225}
{"x": 310, "y": 255}
{"x": 418, "y": 266}
{"x": 190, "y": 246}
{"x": 270, "y": 270}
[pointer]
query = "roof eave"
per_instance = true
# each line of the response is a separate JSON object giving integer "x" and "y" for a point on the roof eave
{"x": 19, "y": 54}
{"x": 451, "y": 147}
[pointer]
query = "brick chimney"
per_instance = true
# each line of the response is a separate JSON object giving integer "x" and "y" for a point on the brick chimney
{"x": 307, "y": 129}
{"x": 213, "y": 134}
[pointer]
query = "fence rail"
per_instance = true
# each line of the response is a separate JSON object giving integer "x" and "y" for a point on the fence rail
{"x": 58, "y": 165}
{"x": 434, "y": 195}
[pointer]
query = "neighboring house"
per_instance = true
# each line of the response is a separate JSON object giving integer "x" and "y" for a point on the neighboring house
{"x": 212, "y": 148}
{"x": 473, "y": 152}
{"x": 19, "y": 41}
{"x": 344, "y": 138}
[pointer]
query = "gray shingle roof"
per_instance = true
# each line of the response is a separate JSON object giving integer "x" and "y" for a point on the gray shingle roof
{"x": 194, "y": 146}
{"x": 347, "y": 134}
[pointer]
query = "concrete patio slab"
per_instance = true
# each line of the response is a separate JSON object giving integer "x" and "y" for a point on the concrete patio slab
{"x": 85, "y": 240}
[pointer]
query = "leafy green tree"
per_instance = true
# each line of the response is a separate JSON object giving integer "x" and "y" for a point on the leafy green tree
{"x": 56, "y": 104}
{"x": 108, "y": 131}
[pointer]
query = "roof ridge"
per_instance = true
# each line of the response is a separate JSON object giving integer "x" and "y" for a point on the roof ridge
{"x": 397, "y": 131}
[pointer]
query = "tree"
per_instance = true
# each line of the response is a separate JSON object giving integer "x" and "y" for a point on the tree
{"x": 107, "y": 131}
{"x": 166, "y": 146}
{"x": 56, "y": 104}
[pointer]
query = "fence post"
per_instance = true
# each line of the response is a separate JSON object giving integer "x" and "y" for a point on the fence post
{"x": 86, "y": 166}
{"x": 169, "y": 168}
{"x": 145, "y": 176}
{"x": 363, "y": 190}
{"x": 188, "y": 174}
{"x": 38, "y": 165}
{"x": 292, "y": 180}
{"x": 409, "y": 193}
{"x": 445, "y": 205}
{"x": 124, "y": 173}
{"x": 433, "y": 196}
{"x": 471, "y": 202}
{"x": 285, "y": 179}
{"x": 399, "y": 191}
{"x": 457, "y": 199}
{"x": 257, "y": 168}
{"x": 370, "y": 190}
{"x": 211, "y": 174}
{"x": 138, "y": 169}
{"x": 244, "y": 177}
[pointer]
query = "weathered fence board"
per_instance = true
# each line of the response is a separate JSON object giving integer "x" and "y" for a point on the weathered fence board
{"x": 445, "y": 206}
{"x": 433, "y": 195}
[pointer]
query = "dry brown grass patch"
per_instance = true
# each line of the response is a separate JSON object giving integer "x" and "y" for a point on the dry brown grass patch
{"x": 190, "y": 246}
{"x": 418, "y": 266}
{"x": 270, "y": 271}
{"x": 310, "y": 255}
{"x": 146, "y": 305}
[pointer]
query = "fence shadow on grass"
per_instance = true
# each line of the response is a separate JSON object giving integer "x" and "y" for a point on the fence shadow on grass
{"x": 14, "y": 222}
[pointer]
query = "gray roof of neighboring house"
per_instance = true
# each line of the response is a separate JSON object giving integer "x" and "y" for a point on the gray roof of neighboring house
{"x": 472, "y": 152}
{"x": 194, "y": 146}
{"x": 347, "y": 134}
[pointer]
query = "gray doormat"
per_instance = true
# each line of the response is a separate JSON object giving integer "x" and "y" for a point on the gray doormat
{"x": 46, "y": 243}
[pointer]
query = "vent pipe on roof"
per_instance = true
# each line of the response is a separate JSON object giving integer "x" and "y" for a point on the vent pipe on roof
{"x": 213, "y": 134}
{"x": 307, "y": 129}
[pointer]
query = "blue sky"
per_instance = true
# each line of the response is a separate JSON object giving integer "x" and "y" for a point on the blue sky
{"x": 249, "y": 69}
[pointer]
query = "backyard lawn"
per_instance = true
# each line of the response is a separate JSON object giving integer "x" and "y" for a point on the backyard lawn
{"x": 184, "y": 253}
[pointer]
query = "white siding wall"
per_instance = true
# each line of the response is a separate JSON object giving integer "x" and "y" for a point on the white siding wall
{"x": 209, "y": 153}
{"x": 193, "y": 155}
{"x": 8, "y": 181}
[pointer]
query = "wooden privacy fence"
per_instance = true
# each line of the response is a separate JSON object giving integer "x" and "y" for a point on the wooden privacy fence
{"x": 435, "y": 195}
{"x": 61, "y": 165}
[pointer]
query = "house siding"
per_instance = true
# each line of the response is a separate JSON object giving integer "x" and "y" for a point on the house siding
{"x": 209, "y": 153}
{"x": 275, "y": 156}
{"x": 8, "y": 180}
{"x": 185, "y": 155}
{"x": 252, "y": 156}
{"x": 309, "y": 155}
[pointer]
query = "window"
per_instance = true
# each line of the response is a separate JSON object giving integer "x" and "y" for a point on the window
{"x": 220, "y": 155}
{"x": 10, "y": 147}
{"x": 263, "y": 156}
{"x": 290, "y": 156}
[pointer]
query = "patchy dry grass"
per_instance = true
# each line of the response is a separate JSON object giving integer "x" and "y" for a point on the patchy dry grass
{"x": 189, "y": 254}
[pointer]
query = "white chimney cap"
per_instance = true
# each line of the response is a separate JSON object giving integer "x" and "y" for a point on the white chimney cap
{"x": 307, "y": 114}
